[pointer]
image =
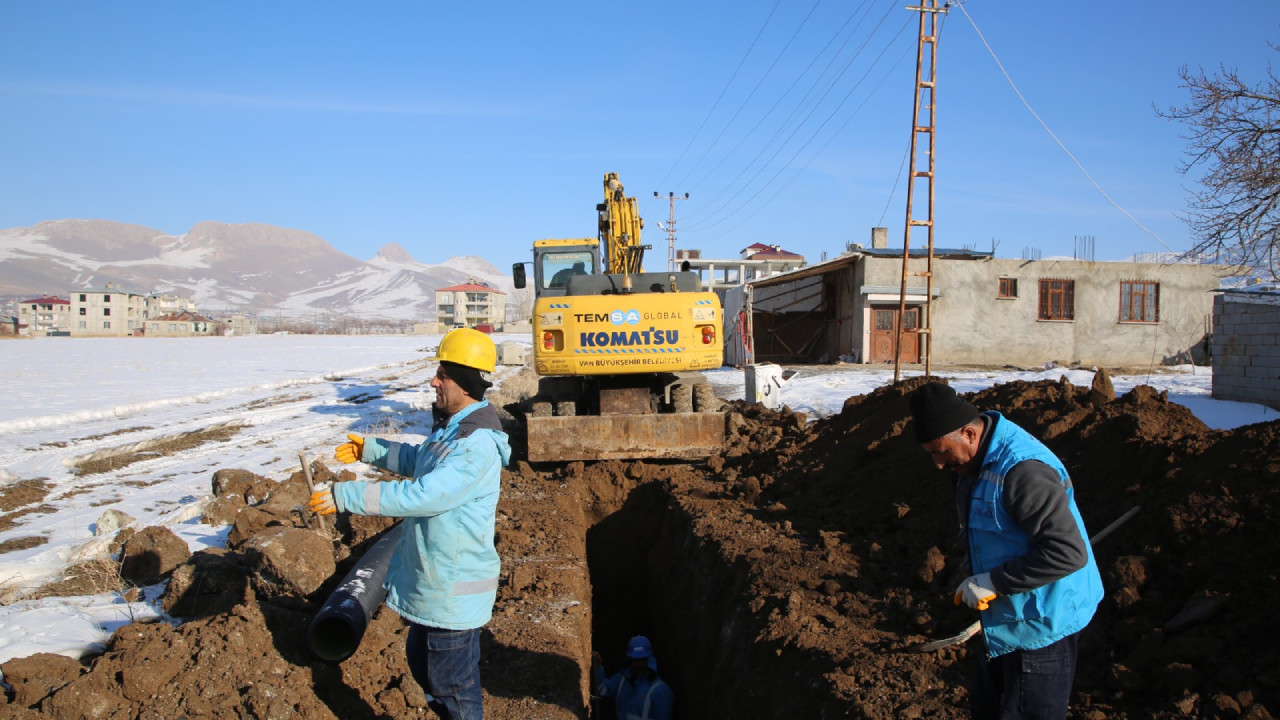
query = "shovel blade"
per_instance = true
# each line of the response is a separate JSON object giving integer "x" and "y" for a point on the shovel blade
{"x": 959, "y": 639}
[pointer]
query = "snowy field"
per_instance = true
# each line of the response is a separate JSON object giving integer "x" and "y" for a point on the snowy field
{"x": 71, "y": 399}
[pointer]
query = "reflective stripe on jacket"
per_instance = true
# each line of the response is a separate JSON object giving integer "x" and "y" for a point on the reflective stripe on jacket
{"x": 444, "y": 571}
{"x": 1036, "y": 618}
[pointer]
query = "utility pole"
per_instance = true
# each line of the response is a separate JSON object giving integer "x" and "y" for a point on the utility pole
{"x": 671, "y": 229}
{"x": 922, "y": 124}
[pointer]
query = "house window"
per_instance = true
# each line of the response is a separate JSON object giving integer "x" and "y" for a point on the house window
{"x": 82, "y": 297}
{"x": 106, "y": 311}
{"x": 106, "y": 324}
{"x": 1057, "y": 299}
{"x": 1008, "y": 288}
{"x": 84, "y": 311}
{"x": 106, "y": 298}
{"x": 1139, "y": 301}
{"x": 83, "y": 325}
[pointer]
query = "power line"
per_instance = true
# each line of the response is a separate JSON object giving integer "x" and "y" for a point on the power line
{"x": 708, "y": 222}
{"x": 743, "y": 218}
{"x": 1027, "y": 105}
{"x": 843, "y": 48}
{"x": 751, "y": 94}
{"x": 801, "y": 103}
{"x": 723, "y": 90}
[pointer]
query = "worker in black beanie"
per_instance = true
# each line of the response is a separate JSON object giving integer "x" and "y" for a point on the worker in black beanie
{"x": 1032, "y": 575}
{"x": 937, "y": 410}
{"x": 470, "y": 379}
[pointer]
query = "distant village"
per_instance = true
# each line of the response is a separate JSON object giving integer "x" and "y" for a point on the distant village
{"x": 112, "y": 311}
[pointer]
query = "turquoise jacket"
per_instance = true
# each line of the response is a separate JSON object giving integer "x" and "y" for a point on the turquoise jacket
{"x": 444, "y": 571}
{"x": 1039, "y": 617}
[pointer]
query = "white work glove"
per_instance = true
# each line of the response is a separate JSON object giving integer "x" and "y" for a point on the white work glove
{"x": 976, "y": 591}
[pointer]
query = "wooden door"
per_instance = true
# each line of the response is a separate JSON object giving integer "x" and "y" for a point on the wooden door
{"x": 884, "y": 332}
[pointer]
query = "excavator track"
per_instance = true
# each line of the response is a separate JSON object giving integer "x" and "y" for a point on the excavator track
{"x": 623, "y": 437}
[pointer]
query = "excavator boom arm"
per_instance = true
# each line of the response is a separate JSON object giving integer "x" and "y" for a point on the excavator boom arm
{"x": 620, "y": 226}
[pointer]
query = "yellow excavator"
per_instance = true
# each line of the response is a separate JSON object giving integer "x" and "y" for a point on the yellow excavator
{"x": 619, "y": 349}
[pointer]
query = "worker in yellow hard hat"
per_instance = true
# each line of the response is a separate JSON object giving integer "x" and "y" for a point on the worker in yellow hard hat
{"x": 443, "y": 575}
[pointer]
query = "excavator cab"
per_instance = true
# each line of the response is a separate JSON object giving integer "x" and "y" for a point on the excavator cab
{"x": 556, "y": 263}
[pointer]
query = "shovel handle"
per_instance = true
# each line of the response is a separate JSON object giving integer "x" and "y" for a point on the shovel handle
{"x": 1114, "y": 524}
{"x": 311, "y": 488}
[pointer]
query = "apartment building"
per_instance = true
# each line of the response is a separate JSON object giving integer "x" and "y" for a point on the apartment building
{"x": 114, "y": 312}
{"x": 106, "y": 312}
{"x": 471, "y": 304}
{"x": 46, "y": 315}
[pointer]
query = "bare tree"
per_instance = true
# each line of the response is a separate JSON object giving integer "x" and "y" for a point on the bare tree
{"x": 1234, "y": 136}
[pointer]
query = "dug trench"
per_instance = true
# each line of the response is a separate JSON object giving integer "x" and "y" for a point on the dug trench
{"x": 790, "y": 575}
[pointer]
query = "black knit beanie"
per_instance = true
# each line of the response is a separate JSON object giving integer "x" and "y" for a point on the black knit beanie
{"x": 936, "y": 410}
{"x": 467, "y": 378}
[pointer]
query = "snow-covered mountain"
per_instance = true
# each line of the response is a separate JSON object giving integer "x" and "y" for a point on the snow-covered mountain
{"x": 251, "y": 268}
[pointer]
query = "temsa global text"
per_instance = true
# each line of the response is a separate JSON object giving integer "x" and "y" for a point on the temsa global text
{"x": 625, "y": 317}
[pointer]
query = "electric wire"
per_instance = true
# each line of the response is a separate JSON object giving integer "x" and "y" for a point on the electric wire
{"x": 906, "y": 153}
{"x": 708, "y": 220}
{"x": 820, "y": 88}
{"x": 714, "y": 199}
{"x": 750, "y": 95}
{"x": 710, "y": 224}
{"x": 747, "y": 216}
{"x": 780, "y": 143}
{"x": 1060, "y": 144}
{"x": 723, "y": 90}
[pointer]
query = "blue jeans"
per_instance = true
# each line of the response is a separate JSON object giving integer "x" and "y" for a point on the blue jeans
{"x": 1025, "y": 684}
{"x": 446, "y": 663}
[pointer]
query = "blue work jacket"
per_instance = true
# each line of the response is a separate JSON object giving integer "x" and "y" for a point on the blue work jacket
{"x": 1039, "y": 617}
{"x": 444, "y": 571}
{"x": 637, "y": 698}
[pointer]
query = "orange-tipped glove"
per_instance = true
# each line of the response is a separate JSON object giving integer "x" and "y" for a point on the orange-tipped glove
{"x": 350, "y": 452}
{"x": 976, "y": 591}
{"x": 322, "y": 503}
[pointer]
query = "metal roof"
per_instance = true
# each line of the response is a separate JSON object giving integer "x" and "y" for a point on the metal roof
{"x": 852, "y": 257}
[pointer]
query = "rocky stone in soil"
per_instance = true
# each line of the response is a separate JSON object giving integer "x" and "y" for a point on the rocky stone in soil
{"x": 243, "y": 484}
{"x": 32, "y": 679}
{"x": 212, "y": 581}
{"x": 289, "y": 562}
{"x": 151, "y": 554}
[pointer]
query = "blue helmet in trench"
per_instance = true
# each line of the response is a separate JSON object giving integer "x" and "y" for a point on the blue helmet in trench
{"x": 638, "y": 647}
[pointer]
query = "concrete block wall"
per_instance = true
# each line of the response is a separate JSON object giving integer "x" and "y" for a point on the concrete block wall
{"x": 1246, "y": 348}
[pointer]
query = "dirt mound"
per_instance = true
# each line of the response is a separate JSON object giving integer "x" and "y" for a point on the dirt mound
{"x": 788, "y": 576}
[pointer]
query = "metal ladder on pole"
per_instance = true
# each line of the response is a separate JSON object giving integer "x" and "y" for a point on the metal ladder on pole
{"x": 922, "y": 124}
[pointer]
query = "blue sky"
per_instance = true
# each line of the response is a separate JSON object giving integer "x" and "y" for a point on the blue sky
{"x": 475, "y": 129}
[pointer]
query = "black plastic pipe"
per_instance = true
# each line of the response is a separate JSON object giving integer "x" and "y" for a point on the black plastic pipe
{"x": 336, "y": 631}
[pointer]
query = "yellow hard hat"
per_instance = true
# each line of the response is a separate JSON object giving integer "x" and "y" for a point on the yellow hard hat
{"x": 470, "y": 347}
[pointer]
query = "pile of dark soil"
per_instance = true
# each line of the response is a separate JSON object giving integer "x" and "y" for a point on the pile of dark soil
{"x": 789, "y": 576}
